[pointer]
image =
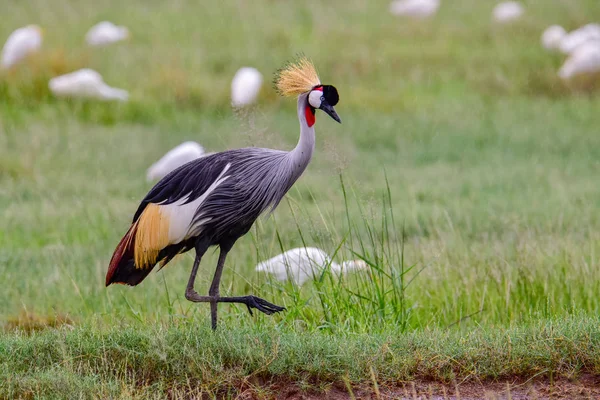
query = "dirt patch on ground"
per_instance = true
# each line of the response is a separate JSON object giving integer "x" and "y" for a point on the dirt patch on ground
{"x": 585, "y": 387}
{"x": 29, "y": 322}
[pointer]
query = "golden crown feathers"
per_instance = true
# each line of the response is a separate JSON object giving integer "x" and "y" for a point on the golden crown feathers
{"x": 296, "y": 77}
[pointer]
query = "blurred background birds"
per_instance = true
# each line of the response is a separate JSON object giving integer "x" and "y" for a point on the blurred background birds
{"x": 586, "y": 34}
{"x": 174, "y": 159}
{"x": 245, "y": 86}
{"x": 105, "y": 33}
{"x": 21, "y": 43}
{"x": 417, "y": 9}
{"x": 508, "y": 11}
{"x": 553, "y": 36}
{"x": 86, "y": 84}
{"x": 584, "y": 60}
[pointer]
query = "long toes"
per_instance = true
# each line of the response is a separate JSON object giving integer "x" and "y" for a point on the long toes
{"x": 263, "y": 309}
{"x": 266, "y": 307}
{"x": 273, "y": 308}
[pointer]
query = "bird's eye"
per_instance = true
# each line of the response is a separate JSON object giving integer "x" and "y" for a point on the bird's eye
{"x": 322, "y": 98}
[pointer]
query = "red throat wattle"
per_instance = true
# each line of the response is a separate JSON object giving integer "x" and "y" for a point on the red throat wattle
{"x": 309, "y": 114}
{"x": 309, "y": 111}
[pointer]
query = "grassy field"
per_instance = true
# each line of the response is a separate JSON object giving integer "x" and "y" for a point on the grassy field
{"x": 465, "y": 172}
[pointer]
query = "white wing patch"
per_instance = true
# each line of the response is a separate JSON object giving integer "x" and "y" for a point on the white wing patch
{"x": 181, "y": 216}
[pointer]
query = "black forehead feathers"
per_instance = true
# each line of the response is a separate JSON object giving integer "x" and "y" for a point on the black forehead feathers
{"x": 331, "y": 94}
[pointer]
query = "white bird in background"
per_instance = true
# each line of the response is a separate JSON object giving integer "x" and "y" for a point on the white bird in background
{"x": 304, "y": 263}
{"x": 245, "y": 86}
{"x": 176, "y": 157}
{"x": 21, "y": 43}
{"x": 578, "y": 37}
{"x": 584, "y": 60}
{"x": 85, "y": 83}
{"x": 508, "y": 11}
{"x": 553, "y": 36}
{"x": 418, "y": 9}
{"x": 104, "y": 33}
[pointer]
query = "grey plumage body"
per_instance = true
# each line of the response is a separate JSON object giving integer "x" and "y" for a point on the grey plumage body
{"x": 257, "y": 180}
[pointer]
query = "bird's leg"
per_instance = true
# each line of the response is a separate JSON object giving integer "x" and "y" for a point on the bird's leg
{"x": 200, "y": 250}
{"x": 213, "y": 294}
{"x": 250, "y": 301}
{"x": 190, "y": 293}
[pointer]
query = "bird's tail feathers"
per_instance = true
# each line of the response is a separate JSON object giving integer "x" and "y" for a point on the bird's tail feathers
{"x": 144, "y": 244}
{"x": 122, "y": 254}
{"x": 122, "y": 268}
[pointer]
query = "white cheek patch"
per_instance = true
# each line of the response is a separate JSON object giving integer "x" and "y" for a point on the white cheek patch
{"x": 314, "y": 98}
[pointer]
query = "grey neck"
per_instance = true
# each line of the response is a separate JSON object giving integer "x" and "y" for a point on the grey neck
{"x": 300, "y": 156}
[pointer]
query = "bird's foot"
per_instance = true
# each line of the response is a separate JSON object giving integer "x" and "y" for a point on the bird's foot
{"x": 253, "y": 302}
{"x": 250, "y": 302}
{"x": 262, "y": 305}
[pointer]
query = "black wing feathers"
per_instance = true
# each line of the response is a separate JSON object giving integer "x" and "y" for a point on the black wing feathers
{"x": 192, "y": 179}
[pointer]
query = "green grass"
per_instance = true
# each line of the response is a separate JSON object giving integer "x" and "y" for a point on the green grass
{"x": 469, "y": 184}
{"x": 187, "y": 359}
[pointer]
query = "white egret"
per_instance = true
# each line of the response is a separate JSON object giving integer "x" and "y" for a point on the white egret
{"x": 584, "y": 60}
{"x": 104, "y": 33}
{"x": 85, "y": 83}
{"x": 507, "y": 11}
{"x": 304, "y": 263}
{"x": 553, "y": 36}
{"x": 173, "y": 159}
{"x": 245, "y": 86}
{"x": 578, "y": 37}
{"x": 417, "y": 9}
{"x": 21, "y": 43}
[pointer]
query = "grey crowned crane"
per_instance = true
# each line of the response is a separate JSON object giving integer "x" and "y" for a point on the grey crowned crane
{"x": 214, "y": 200}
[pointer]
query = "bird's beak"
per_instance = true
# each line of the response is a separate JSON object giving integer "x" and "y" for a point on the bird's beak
{"x": 331, "y": 111}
